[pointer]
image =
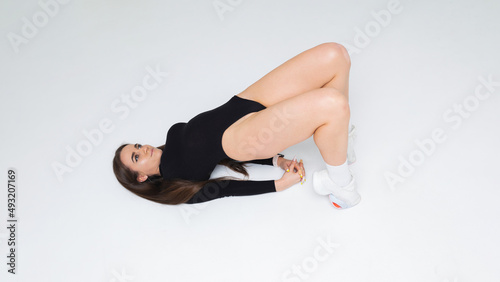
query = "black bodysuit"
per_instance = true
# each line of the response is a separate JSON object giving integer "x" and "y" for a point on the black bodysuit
{"x": 193, "y": 149}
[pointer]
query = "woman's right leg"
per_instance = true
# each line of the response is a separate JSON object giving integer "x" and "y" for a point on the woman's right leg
{"x": 323, "y": 66}
{"x": 323, "y": 112}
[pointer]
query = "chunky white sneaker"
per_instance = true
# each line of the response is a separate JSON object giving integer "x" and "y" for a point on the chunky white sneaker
{"x": 351, "y": 155}
{"x": 341, "y": 197}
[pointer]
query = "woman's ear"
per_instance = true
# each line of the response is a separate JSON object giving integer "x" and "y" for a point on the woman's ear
{"x": 142, "y": 177}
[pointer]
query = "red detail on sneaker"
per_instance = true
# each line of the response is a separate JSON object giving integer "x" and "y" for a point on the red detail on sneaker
{"x": 337, "y": 206}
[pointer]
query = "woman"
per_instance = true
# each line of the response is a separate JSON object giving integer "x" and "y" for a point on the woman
{"x": 307, "y": 95}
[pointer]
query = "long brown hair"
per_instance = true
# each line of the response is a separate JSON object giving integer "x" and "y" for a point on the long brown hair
{"x": 156, "y": 189}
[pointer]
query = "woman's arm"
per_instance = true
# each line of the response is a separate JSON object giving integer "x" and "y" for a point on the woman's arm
{"x": 274, "y": 161}
{"x": 226, "y": 188}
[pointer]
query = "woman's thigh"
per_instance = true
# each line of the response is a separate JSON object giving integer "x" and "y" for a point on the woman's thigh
{"x": 309, "y": 70}
{"x": 265, "y": 133}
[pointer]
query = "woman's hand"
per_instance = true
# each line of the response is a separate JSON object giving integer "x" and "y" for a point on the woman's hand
{"x": 294, "y": 173}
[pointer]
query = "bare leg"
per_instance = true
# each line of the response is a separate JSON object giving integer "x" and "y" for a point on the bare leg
{"x": 326, "y": 65}
{"x": 323, "y": 112}
{"x": 311, "y": 90}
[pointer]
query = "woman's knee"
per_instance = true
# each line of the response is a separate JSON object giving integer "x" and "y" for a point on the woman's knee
{"x": 331, "y": 101}
{"x": 334, "y": 52}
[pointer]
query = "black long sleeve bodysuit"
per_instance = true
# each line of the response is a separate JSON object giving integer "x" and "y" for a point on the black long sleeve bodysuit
{"x": 193, "y": 149}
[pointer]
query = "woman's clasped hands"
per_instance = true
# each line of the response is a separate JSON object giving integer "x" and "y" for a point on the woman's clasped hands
{"x": 294, "y": 173}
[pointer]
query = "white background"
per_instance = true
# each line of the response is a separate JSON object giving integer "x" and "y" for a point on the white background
{"x": 440, "y": 223}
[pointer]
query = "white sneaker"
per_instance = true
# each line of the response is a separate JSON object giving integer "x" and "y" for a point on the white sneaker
{"x": 341, "y": 197}
{"x": 351, "y": 155}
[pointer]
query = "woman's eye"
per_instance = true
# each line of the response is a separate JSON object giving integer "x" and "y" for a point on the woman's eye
{"x": 136, "y": 157}
{"x": 139, "y": 146}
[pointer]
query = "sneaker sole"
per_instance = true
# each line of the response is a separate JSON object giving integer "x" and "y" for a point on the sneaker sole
{"x": 338, "y": 204}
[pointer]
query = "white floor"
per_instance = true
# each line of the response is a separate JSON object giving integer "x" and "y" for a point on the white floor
{"x": 424, "y": 89}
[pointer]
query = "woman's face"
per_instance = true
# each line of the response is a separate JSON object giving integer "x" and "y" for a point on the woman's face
{"x": 145, "y": 159}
